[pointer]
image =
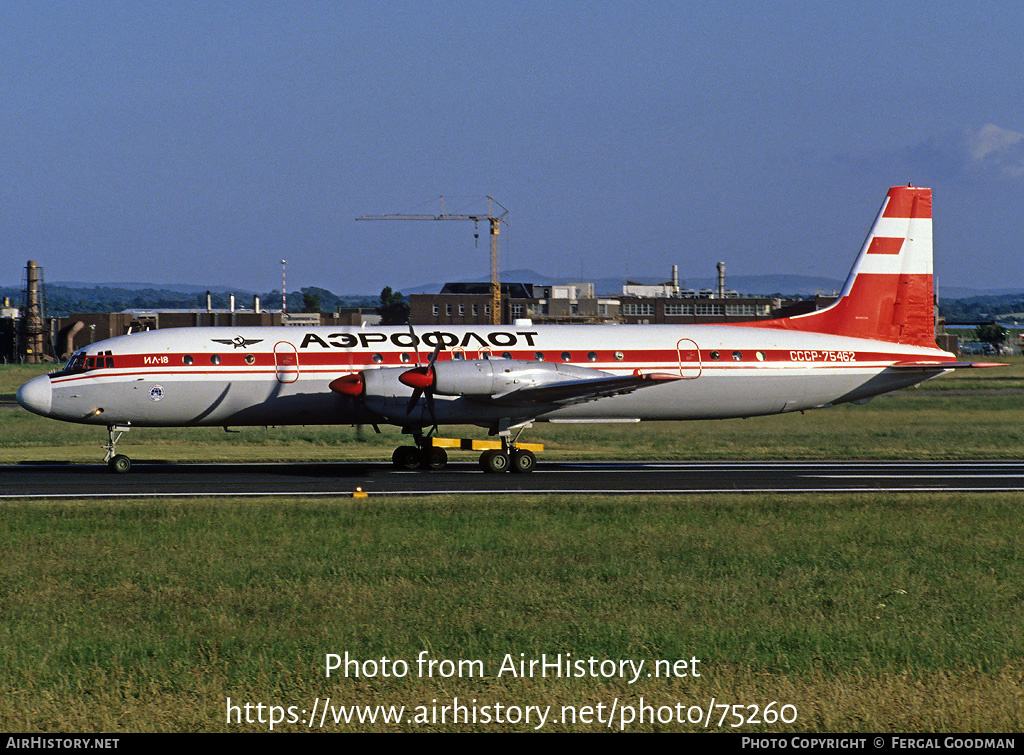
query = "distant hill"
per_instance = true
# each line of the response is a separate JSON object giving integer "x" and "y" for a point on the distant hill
{"x": 187, "y": 288}
{"x": 985, "y": 307}
{"x": 65, "y": 299}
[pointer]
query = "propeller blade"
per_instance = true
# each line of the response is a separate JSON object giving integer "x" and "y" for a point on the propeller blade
{"x": 412, "y": 401}
{"x": 430, "y": 407}
{"x": 415, "y": 343}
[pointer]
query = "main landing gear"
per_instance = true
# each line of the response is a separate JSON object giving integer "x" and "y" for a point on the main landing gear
{"x": 498, "y": 456}
{"x": 518, "y": 460}
{"x": 412, "y": 457}
{"x": 116, "y": 463}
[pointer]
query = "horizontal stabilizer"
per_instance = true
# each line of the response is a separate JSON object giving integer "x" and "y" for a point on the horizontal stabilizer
{"x": 926, "y": 364}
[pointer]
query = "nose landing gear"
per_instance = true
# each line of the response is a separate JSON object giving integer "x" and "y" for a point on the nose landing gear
{"x": 116, "y": 463}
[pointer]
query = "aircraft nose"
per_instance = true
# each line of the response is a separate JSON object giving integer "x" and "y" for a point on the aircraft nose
{"x": 36, "y": 395}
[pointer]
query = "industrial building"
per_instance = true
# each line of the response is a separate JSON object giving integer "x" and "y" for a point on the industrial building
{"x": 576, "y": 303}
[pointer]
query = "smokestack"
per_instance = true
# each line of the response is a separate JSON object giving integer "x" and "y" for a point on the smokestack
{"x": 256, "y": 303}
{"x": 721, "y": 280}
{"x": 675, "y": 280}
{"x": 231, "y": 302}
{"x": 33, "y": 314}
{"x": 209, "y": 302}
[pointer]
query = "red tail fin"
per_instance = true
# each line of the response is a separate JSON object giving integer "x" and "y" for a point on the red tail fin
{"x": 888, "y": 294}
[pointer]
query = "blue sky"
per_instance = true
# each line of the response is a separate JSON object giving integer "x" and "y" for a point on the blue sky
{"x": 204, "y": 142}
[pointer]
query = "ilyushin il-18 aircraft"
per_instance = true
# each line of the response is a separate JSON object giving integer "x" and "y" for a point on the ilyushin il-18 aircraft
{"x": 877, "y": 337}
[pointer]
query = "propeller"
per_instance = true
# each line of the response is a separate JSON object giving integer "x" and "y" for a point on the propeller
{"x": 422, "y": 379}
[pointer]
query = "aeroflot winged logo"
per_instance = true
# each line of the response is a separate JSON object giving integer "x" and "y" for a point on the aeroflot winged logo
{"x": 238, "y": 342}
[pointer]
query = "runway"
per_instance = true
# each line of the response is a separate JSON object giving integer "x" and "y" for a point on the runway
{"x": 63, "y": 481}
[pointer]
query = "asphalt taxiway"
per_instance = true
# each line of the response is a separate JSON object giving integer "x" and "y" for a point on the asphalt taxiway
{"x": 48, "y": 480}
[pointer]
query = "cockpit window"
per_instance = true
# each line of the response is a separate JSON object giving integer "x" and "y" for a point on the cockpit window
{"x": 75, "y": 364}
{"x": 80, "y": 362}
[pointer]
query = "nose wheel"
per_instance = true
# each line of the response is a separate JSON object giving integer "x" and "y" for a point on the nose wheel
{"x": 119, "y": 464}
{"x": 116, "y": 463}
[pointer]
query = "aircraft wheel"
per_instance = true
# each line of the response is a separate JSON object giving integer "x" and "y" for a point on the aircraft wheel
{"x": 523, "y": 461}
{"x": 119, "y": 464}
{"x": 494, "y": 462}
{"x": 433, "y": 458}
{"x": 406, "y": 457}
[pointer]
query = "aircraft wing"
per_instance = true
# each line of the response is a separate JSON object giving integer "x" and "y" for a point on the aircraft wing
{"x": 569, "y": 392}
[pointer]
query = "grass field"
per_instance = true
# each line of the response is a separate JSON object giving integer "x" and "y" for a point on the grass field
{"x": 867, "y": 612}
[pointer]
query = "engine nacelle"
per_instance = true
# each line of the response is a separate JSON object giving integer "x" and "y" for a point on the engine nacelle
{"x": 374, "y": 388}
{"x": 496, "y": 377}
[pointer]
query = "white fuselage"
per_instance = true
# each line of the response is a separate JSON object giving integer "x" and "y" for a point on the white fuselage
{"x": 279, "y": 376}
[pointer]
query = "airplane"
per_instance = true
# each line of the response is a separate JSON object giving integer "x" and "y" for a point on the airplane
{"x": 876, "y": 338}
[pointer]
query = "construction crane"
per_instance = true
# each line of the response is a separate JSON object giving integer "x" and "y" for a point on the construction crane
{"x": 494, "y": 221}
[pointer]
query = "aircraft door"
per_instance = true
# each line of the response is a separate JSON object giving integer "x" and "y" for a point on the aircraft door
{"x": 689, "y": 359}
{"x": 286, "y": 362}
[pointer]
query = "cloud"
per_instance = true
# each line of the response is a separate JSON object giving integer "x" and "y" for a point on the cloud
{"x": 984, "y": 151}
{"x": 975, "y": 152}
{"x": 992, "y": 148}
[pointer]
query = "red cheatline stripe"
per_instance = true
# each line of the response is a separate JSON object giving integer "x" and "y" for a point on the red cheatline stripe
{"x": 883, "y": 245}
{"x": 642, "y": 359}
{"x": 353, "y": 362}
